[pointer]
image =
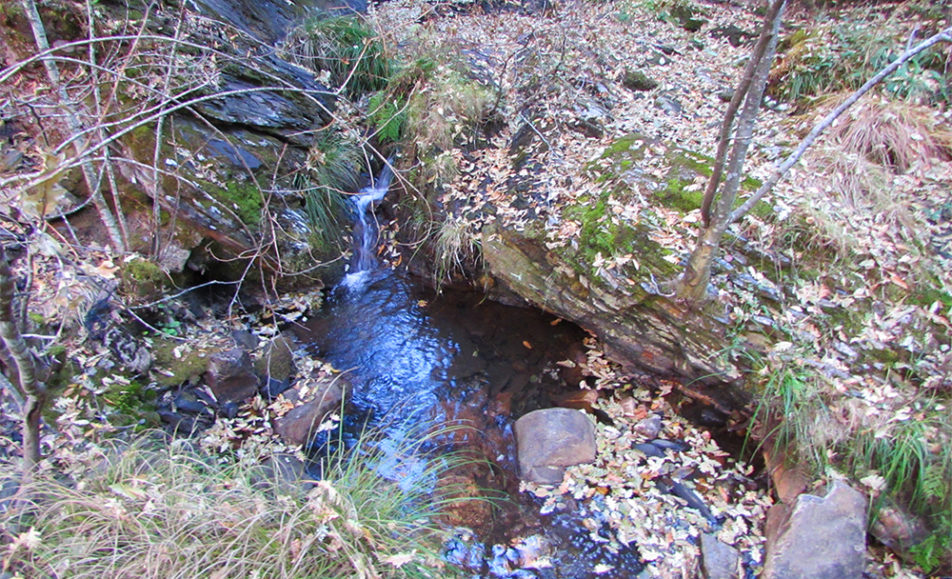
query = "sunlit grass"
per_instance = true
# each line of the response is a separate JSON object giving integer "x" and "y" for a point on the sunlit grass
{"x": 156, "y": 510}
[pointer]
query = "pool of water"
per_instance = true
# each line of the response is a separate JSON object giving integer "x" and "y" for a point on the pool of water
{"x": 416, "y": 358}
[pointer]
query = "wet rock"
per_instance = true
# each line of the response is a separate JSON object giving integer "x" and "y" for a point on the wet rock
{"x": 231, "y": 376}
{"x": 638, "y": 81}
{"x": 719, "y": 561}
{"x": 319, "y": 400}
{"x": 823, "y": 537}
{"x": 551, "y": 439}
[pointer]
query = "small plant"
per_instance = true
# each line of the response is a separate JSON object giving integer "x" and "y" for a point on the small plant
{"x": 841, "y": 54}
{"x": 387, "y": 115}
{"x": 347, "y": 48}
{"x": 456, "y": 246}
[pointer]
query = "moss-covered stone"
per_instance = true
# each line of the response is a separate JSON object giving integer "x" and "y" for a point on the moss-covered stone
{"x": 638, "y": 81}
{"x": 243, "y": 198}
{"x": 174, "y": 365}
{"x": 143, "y": 278}
{"x": 604, "y": 234}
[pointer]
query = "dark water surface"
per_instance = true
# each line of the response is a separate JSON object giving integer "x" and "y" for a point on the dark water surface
{"x": 414, "y": 358}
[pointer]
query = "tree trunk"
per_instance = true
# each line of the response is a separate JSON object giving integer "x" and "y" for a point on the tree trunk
{"x": 31, "y": 390}
{"x": 692, "y": 285}
{"x": 90, "y": 175}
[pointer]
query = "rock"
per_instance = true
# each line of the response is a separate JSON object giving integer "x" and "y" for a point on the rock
{"x": 281, "y": 472}
{"x": 898, "y": 529}
{"x": 735, "y": 35}
{"x": 320, "y": 399}
{"x": 231, "y": 376}
{"x": 823, "y": 537}
{"x": 719, "y": 561}
{"x": 551, "y": 439}
{"x": 637, "y": 81}
{"x": 649, "y": 427}
{"x": 668, "y": 104}
{"x": 244, "y": 339}
{"x": 276, "y": 361}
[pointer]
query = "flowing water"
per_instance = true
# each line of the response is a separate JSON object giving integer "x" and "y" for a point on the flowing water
{"x": 415, "y": 358}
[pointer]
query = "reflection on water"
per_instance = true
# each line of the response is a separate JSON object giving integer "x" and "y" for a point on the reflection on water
{"x": 414, "y": 360}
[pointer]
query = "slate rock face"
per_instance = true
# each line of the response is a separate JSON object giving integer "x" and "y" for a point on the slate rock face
{"x": 231, "y": 376}
{"x": 824, "y": 537}
{"x": 551, "y": 439}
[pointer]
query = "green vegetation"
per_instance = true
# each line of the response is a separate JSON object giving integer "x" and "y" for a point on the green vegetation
{"x": 910, "y": 452}
{"x": 841, "y": 52}
{"x": 683, "y": 13}
{"x": 151, "y": 510}
{"x": 347, "y": 48}
{"x": 456, "y": 245}
{"x": 242, "y": 198}
{"x": 603, "y": 235}
{"x": 143, "y": 278}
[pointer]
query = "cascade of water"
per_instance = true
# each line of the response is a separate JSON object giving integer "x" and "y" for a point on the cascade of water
{"x": 365, "y": 229}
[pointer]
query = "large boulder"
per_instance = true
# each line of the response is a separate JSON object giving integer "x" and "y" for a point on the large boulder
{"x": 551, "y": 439}
{"x": 823, "y": 537}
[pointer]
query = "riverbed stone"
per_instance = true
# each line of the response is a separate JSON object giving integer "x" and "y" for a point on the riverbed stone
{"x": 230, "y": 376}
{"x": 719, "y": 560}
{"x": 823, "y": 537}
{"x": 314, "y": 401}
{"x": 551, "y": 439}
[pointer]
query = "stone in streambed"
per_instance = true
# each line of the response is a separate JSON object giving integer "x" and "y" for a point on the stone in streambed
{"x": 551, "y": 439}
{"x": 823, "y": 538}
{"x": 316, "y": 400}
{"x": 231, "y": 376}
{"x": 719, "y": 561}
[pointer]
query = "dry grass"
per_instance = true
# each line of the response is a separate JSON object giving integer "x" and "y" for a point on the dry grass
{"x": 855, "y": 169}
{"x": 157, "y": 511}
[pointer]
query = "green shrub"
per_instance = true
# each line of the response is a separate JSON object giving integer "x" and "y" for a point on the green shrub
{"x": 347, "y": 48}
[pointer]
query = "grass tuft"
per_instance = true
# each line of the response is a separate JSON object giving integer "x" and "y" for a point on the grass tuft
{"x": 152, "y": 510}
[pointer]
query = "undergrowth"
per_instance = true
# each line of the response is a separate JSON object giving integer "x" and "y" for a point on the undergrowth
{"x": 841, "y": 51}
{"x": 351, "y": 53}
{"x": 903, "y": 457}
{"x": 159, "y": 509}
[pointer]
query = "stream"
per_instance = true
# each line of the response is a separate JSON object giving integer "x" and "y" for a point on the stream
{"x": 416, "y": 358}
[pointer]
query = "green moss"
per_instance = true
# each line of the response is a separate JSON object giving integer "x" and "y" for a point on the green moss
{"x": 243, "y": 198}
{"x": 603, "y": 234}
{"x": 175, "y": 370}
{"x": 638, "y": 81}
{"x": 143, "y": 278}
{"x": 133, "y": 403}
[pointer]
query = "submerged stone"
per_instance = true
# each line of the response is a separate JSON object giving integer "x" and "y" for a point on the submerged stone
{"x": 551, "y": 439}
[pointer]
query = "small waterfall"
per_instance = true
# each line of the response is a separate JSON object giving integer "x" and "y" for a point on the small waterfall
{"x": 365, "y": 229}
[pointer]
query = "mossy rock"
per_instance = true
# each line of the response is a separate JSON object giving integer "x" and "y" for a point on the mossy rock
{"x": 603, "y": 234}
{"x": 143, "y": 278}
{"x": 174, "y": 365}
{"x": 638, "y": 81}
